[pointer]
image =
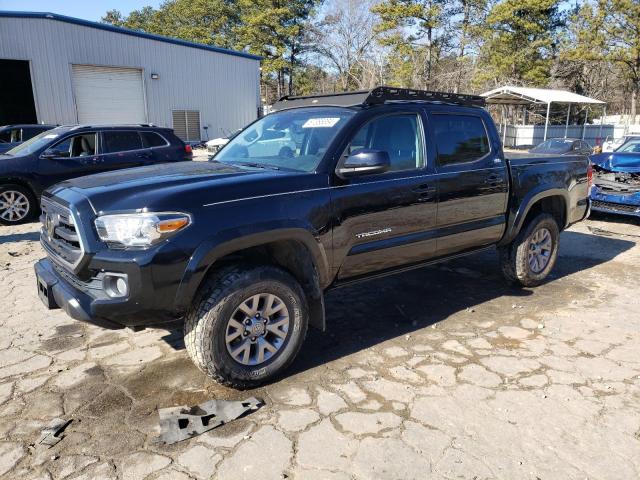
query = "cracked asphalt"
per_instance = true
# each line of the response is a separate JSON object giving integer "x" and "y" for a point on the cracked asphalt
{"x": 443, "y": 373}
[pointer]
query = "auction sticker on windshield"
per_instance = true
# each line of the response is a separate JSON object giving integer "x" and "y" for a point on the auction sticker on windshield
{"x": 320, "y": 122}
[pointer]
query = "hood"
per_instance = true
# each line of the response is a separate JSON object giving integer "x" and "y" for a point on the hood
{"x": 14, "y": 165}
{"x": 5, "y": 147}
{"x": 617, "y": 162}
{"x": 169, "y": 185}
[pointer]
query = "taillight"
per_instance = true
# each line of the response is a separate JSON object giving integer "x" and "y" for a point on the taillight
{"x": 590, "y": 174}
{"x": 188, "y": 149}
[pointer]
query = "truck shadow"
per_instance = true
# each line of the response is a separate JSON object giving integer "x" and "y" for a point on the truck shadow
{"x": 370, "y": 313}
{"x": 367, "y": 314}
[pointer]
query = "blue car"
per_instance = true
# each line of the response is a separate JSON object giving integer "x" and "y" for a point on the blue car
{"x": 73, "y": 151}
{"x": 13, "y": 135}
{"x": 616, "y": 187}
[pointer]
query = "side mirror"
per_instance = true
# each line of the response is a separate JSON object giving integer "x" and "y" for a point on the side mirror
{"x": 51, "y": 153}
{"x": 364, "y": 162}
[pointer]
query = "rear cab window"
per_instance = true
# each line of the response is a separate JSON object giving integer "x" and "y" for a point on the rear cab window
{"x": 115, "y": 141}
{"x": 459, "y": 138}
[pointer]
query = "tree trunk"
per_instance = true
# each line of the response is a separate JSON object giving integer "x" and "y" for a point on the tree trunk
{"x": 634, "y": 101}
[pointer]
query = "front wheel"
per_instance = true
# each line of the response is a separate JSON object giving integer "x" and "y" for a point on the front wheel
{"x": 17, "y": 205}
{"x": 247, "y": 325}
{"x": 533, "y": 253}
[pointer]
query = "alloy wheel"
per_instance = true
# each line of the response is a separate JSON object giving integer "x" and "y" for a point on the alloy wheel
{"x": 540, "y": 248}
{"x": 257, "y": 329}
{"x": 14, "y": 206}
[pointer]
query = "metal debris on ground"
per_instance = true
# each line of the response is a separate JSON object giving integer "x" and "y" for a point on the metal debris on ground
{"x": 180, "y": 423}
{"x": 52, "y": 433}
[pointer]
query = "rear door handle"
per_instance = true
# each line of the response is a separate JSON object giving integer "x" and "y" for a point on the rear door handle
{"x": 425, "y": 192}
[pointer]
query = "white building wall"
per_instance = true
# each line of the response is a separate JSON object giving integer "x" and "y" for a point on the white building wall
{"x": 223, "y": 87}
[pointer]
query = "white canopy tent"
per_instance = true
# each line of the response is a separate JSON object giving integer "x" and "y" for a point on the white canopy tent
{"x": 508, "y": 95}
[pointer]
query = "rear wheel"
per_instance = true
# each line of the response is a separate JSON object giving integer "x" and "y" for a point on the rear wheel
{"x": 17, "y": 205}
{"x": 533, "y": 253}
{"x": 247, "y": 325}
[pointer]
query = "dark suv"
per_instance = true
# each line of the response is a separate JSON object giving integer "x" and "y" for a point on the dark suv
{"x": 13, "y": 135}
{"x": 75, "y": 151}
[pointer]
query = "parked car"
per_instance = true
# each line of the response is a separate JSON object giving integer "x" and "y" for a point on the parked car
{"x": 73, "y": 151}
{"x": 13, "y": 135}
{"x": 563, "y": 146}
{"x": 611, "y": 145}
{"x": 616, "y": 186}
{"x": 242, "y": 248}
{"x": 217, "y": 143}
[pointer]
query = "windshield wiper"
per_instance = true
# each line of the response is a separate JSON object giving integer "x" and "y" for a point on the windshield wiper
{"x": 259, "y": 165}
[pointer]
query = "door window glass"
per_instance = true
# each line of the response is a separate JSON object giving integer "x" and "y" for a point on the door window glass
{"x": 77, "y": 146}
{"x": 121, "y": 141}
{"x": 151, "y": 139}
{"x": 398, "y": 135}
{"x": 459, "y": 138}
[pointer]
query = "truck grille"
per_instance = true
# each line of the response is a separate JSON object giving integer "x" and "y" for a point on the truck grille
{"x": 59, "y": 235}
{"x": 614, "y": 207}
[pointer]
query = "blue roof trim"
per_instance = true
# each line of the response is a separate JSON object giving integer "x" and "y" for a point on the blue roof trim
{"x": 125, "y": 31}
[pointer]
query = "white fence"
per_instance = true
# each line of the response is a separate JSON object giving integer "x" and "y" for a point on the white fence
{"x": 527, "y": 135}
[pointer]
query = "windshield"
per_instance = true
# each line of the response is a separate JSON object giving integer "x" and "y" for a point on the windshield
{"x": 291, "y": 139}
{"x": 34, "y": 144}
{"x": 554, "y": 145}
{"x": 632, "y": 146}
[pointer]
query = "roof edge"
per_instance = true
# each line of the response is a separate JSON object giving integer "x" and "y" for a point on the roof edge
{"x": 125, "y": 31}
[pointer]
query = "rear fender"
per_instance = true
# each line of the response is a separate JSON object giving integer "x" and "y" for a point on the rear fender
{"x": 516, "y": 221}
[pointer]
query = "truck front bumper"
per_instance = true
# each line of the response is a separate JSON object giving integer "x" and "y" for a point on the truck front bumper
{"x": 85, "y": 305}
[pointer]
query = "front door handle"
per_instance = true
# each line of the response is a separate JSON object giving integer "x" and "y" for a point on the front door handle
{"x": 494, "y": 179}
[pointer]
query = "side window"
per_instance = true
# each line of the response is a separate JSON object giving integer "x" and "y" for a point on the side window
{"x": 16, "y": 135}
{"x": 398, "y": 135}
{"x": 120, "y": 141}
{"x": 28, "y": 133}
{"x": 459, "y": 138}
{"x": 77, "y": 146}
{"x": 151, "y": 139}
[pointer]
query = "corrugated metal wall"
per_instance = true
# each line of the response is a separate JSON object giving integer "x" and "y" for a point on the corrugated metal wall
{"x": 224, "y": 88}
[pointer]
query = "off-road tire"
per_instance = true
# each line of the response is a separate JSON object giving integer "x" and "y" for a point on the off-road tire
{"x": 514, "y": 256}
{"x": 32, "y": 208}
{"x": 206, "y": 322}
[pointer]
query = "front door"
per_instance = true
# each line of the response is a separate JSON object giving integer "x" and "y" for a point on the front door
{"x": 74, "y": 156}
{"x": 385, "y": 220}
{"x": 473, "y": 183}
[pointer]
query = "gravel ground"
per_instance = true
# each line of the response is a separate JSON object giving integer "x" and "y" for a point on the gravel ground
{"x": 439, "y": 373}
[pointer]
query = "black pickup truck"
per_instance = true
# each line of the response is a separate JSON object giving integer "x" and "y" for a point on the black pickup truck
{"x": 326, "y": 191}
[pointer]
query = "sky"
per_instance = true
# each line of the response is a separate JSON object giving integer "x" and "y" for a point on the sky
{"x": 86, "y": 9}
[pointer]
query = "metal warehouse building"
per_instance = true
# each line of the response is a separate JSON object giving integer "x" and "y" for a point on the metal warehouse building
{"x": 63, "y": 70}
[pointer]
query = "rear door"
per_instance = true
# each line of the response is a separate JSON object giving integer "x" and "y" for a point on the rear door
{"x": 385, "y": 220}
{"x": 124, "y": 149}
{"x": 472, "y": 182}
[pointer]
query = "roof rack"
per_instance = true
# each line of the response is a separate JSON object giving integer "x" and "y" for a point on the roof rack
{"x": 109, "y": 125}
{"x": 378, "y": 96}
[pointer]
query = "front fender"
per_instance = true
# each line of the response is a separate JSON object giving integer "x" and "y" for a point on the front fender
{"x": 226, "y": 243}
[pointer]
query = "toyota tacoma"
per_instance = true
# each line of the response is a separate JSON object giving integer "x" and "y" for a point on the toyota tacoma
{"x": 326, "y": 191}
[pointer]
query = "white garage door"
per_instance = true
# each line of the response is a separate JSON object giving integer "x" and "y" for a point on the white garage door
{"x": 108, "y": 94}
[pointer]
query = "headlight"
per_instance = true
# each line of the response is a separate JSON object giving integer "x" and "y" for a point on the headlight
{"x": 139, "y": 229}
